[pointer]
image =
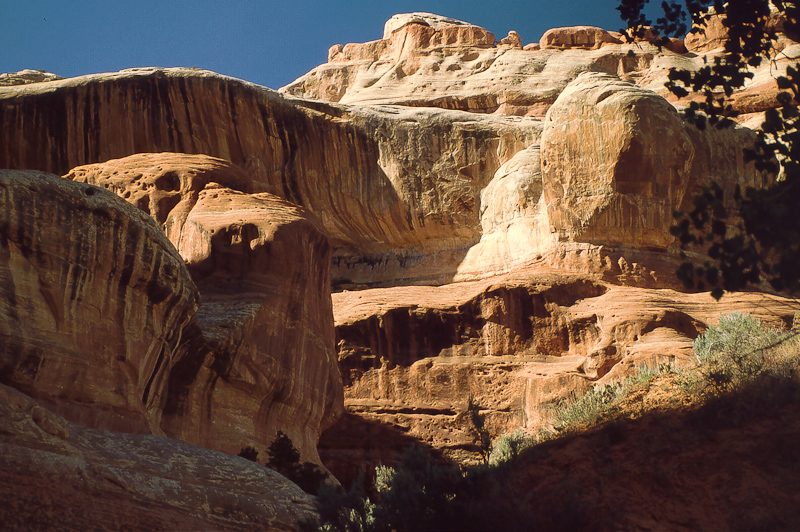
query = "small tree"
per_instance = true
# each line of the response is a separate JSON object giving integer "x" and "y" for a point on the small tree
{"x": 282, "y": 454}
{"x": 285, "y": 459}
{"x": 478, "y": 422}
{"x": 250, "y": 453}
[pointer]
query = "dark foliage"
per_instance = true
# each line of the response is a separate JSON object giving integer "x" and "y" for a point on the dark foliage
{"x": 425, "y": 494}
{"x": 250, "y": 453}
{"x": 282, "y": 453}
{"x": 759, "y": 238}
{"x": 478, "y": 422}
{"x": 285, "y": 459}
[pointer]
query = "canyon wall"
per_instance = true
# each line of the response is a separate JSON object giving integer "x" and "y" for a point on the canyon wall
{"x": 98, "y": 307}
{"x": 396, "y": 189}
{"x": 261, "y": 265}
{"x": 104, "y": 323}
{"x": 492, "y": 218}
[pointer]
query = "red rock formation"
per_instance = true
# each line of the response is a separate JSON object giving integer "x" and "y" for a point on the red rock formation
{"x": 98, "y": 307}
{"x": 261, "y": 265}
{"x": 710, "y": 37}
{"x": 411, "y": 356}
{"x": 392, "y": 187}
{"x": 616, "y": 162}
{"x": 587, "y": 37}
{"x": 405, "y": 196}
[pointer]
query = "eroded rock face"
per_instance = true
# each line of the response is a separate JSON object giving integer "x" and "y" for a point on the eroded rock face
{"x": 411, "y": 69}
{"x": 262, "y": 267}
{"x": 55, "y": 474}
{"x": 616, "y": 162}
{"x": 396, "y": 189}
{"x": 478, "y": 75}
{"x": 504, "y": 78}
{"x": 97, "y": 306}
{"x": 587, "y": 37}
{"x": 411, "y": 356}
{"x": 514, "y": 222}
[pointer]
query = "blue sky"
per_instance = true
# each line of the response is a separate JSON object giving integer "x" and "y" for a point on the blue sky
{"x": 266, "y": 42}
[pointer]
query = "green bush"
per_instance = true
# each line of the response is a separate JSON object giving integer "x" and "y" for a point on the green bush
{"x": 735, "y": 351}
{"x": 422, "y": 493}
{"x": 508, "y": 446}
{"x": 602, "y": 402}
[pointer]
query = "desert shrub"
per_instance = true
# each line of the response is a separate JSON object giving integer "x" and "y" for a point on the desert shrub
{"x": 422, "y": 493}
{"x": 343, "y": 510}
{"x": 736, "y": 350}
{"x": 602, "y": 402}
{"x": 508, "y": 447}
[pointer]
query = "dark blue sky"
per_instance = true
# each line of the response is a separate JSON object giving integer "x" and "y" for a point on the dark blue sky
{"x": 266, "y": 42}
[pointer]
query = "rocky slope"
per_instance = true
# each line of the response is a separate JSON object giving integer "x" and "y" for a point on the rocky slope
{"x": 57, "y": 475}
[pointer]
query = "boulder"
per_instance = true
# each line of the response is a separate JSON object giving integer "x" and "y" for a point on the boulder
{"x": 712, "y": 36}
{"x": 616, "y": 162}
{"x": 586, "y": 37}
{"x": 262, "y": 268}
{"x": 56, "y": 475}
{"x": 26, "y": 77}
{"x": 98, "y": 307}
{"x": 513, "y": 39}
{"x": 426, "y": 19}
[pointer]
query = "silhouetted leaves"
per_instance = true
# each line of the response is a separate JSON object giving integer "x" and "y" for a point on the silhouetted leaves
{"x": 759, "y": 237}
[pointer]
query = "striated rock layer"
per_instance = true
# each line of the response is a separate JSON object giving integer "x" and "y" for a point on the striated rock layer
{"x": 262, "y": 267}
{"x": 98, "y": 307}
{"x": 56, "y": 475}
{"x": 411, "y": 356}
{"x": 396, "y": 189}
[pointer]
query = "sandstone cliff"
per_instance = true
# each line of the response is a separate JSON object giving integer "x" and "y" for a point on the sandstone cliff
{"x": 261, "y": 266}
{"x": 430, "y": 61}
{"x": 105, "y": 324}
{"x": 539, "y": 245}
{"x": 97, "y": 306}
{"x": 396, "y": 189}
